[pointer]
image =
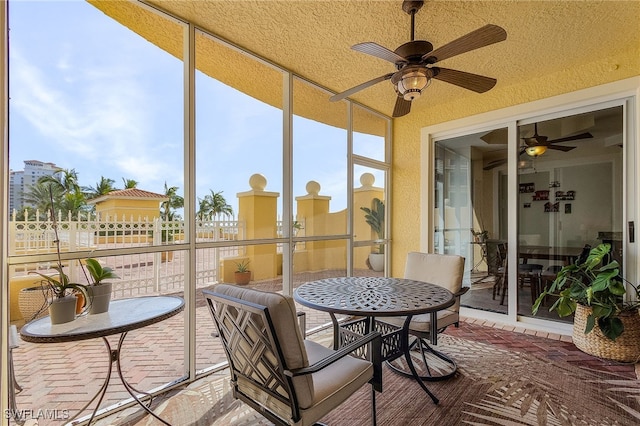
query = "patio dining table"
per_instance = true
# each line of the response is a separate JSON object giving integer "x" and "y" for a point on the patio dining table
{"x": 567, "y": 255}
{"x": 124, "y": 315}
{"x": 372, "y": 297}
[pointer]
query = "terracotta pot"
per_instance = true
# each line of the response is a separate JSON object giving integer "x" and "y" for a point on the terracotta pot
{"x": 80, "y": 302}
{"x": 243, "y": 278}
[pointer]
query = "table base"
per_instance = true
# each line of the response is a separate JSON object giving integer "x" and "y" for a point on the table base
{"x": 114, "y": 357}
{"x": 430, "y": 364}
{"x": 392, "y": 343}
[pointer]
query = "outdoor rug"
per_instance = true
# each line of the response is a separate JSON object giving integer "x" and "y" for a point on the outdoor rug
{"x": 493, "y": 386}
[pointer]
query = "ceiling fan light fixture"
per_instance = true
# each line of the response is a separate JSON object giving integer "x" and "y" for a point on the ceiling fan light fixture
{"x": 412, "y": 82}
{"x": 536, "y": 151}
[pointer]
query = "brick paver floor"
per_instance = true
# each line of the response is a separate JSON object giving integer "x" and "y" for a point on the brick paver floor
{"x": 63, "y": 376}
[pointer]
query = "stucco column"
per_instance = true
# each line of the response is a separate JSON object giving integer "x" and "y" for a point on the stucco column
{"x": 313, "y": 209}
{"x": 258, "y": 210}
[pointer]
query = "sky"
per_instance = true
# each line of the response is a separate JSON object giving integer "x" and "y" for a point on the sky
{"x": 88, "y": 94}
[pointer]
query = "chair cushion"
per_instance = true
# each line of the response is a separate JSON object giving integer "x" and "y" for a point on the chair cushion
{"x": 421, "y": 323}
{"x": 445, "y": 270}
{"x": 333, "y": 384}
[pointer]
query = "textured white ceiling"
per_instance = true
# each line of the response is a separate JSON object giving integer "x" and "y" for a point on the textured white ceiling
{"x": 313, "y": 38}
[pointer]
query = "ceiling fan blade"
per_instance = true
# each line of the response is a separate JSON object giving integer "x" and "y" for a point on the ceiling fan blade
{"x": 586, "y": 135}
{"x": 496, "y": 136}
{"x": 485, "y": 36}
{"x": 495, "y": 163}
{"x": 475, "y": 82}
{"x": 561, "y": 148}
{"x": 359, "y": 87}
{"x": 402, "y": 107}
{"x": 374, "y": 49}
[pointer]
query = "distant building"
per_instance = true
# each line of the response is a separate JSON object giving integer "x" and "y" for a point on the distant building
{"x": 128, "y": 203}
{"x": 21, "y": 180}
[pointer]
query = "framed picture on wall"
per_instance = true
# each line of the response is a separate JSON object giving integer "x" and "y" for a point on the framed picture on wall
{"x": 527, "y": 187}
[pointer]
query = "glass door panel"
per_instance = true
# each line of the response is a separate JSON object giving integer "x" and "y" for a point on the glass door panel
{"x": 369, "y": 224}
{"x": 470, "y": 174}
{"x": 570, "y": 196}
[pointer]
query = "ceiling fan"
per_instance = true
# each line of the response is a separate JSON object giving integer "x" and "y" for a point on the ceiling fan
{"x": 533, "y": 146}
{"x": 537, "y": 145}
{"x": 415, "y": 61}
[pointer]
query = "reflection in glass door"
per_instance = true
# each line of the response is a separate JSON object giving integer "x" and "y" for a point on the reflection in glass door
{"x": 570, "y": 196}
{"x": 469, "y": 220}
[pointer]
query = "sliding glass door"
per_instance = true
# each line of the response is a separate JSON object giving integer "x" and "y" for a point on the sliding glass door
{"x": 520, "y": 205}
{"x": 469, "y": 218}
{"x": 570, "y": 195}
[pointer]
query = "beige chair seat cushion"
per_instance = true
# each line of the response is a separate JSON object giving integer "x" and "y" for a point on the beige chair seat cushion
{"x": 421, "y": 323}
{"x": 333, "y": 384}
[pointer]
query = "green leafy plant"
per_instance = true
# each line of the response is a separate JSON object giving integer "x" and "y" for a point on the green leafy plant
{"x": 59, "y": 284}
{"x": 98, "y": 272}
{"x": 242, "y": 266}
{"x": 480, "y": 236}
{"x": 592, "y": 282}
{"x": 375, "y": 219}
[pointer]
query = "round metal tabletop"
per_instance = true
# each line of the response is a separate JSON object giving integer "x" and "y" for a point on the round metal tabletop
{"x": 123, "y": 315}
{"x": 373, "y": 296}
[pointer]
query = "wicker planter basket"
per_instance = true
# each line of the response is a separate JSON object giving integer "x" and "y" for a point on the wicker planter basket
{"x": 625, "y": 348}
{"x": 33, "y": 302}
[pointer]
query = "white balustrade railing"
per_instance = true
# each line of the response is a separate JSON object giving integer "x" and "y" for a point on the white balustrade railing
{"x": 142, "y": 273}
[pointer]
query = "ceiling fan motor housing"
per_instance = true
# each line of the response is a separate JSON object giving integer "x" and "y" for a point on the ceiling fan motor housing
{"x": 413, "y": 51}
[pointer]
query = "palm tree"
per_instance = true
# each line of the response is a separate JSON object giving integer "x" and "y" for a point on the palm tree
{"x": 212, "y": 204}
{"x": 217, "y": 204}
{"x": 103, "y": 187}
{"x": 40, "y": 195}
{"x": 130, "y": 183}
{"x": 65, "y": 178}
{"x": 174, "y": 201}
{"x": 203, "y": 208}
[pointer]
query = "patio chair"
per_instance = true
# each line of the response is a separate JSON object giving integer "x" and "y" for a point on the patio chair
{"x": 446, "y": 271}
{"x": 275, "y": 371}
{"x": 496, "y": 264}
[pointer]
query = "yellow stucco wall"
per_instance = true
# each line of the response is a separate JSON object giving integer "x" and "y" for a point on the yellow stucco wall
{"x": 128, "y": 208}
{"x": 407, "y": 130}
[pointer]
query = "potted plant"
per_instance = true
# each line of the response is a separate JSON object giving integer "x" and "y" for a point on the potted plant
{"x": 62, "y": 307}
{"x": 480, "y": 236}
{"x": 592, "y": 289}
{"x": 375, "y": 219}
{"x": 99, "y": 292}
{"x": 243, "y": 274}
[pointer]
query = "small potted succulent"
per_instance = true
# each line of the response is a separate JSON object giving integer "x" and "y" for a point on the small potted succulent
{"x": 243, "y": 274}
